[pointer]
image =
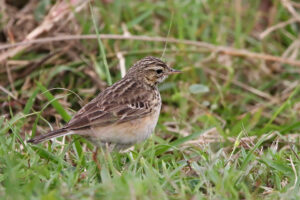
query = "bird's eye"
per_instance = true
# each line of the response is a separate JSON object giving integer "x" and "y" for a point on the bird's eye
{"x": 159, "y": 71}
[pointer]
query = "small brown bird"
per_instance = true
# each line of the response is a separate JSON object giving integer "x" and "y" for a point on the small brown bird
{"x": 123, "y": 114}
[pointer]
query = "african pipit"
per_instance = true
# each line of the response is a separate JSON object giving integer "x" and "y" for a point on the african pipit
{"x": 124, "y": 113}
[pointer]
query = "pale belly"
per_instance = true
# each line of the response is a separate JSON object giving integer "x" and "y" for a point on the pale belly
{"x": 127, "y": 133}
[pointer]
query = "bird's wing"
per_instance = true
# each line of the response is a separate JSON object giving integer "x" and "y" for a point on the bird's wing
{"x": 105, "y": 110}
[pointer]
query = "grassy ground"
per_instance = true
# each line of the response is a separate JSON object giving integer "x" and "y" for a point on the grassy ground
{"x": 229, "y": 127}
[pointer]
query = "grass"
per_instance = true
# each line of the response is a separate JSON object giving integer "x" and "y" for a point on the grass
{"x": 214, "y": 139}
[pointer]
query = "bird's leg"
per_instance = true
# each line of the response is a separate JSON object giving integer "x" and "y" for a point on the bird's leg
{"x": 95, "y": 158}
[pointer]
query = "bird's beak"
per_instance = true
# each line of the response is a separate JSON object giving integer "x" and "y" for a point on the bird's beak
{"x": 174, "y": 71}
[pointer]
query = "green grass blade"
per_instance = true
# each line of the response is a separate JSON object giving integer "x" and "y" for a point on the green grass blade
{"x": 162, "y": 149}
{"x": 58, "y": 107}
{"x": 102, "y": 50}
{"x": 246, "y": 161}
{"x": 30, "y": 101}
{"x": 282, "y": 107}
{"x": 48, "y": 155}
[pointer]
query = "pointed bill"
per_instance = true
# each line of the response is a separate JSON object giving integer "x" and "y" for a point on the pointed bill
{"x": 174, "y": 71}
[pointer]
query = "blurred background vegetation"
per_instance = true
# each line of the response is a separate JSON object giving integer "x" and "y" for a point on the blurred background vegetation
{"x": 229, "y": 126}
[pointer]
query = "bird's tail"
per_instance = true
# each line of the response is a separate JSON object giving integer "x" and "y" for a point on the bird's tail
{"x": 50, "y": 135}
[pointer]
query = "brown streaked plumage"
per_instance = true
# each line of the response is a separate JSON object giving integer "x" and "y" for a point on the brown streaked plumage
{"x": 124, "y": 113}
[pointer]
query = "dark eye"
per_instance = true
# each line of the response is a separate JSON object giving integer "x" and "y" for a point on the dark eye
{"x": 159, "y": 71}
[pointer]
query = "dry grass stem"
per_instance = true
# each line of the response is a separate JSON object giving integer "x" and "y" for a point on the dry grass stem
{"x": 241, "y": 85}
{"x": 59, "y": 11}
{"x": 121, "y": 64}
{"x": 214, "y": 48}
{"x": 277, "y": 26}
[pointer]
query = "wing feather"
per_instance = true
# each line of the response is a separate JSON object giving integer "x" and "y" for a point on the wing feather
{"x": 107, "y": 109}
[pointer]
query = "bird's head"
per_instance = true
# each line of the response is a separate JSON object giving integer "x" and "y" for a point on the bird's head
{"x": 151, "y": 70}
